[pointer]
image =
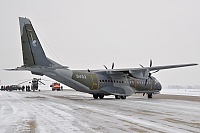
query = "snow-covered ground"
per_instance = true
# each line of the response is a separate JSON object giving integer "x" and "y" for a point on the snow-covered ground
{"x": 185, "y": 92}
{"x": 188, "y": 92}
{"x": 70, "y": 111}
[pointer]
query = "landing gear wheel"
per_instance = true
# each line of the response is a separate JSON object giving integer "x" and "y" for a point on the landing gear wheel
{"x": 150, "y": 95}
{"x": 117, "y": 97}
{"x": 95, "y": 96}
{"x": 123, "y": 97}
{"x": 101, "y": 96}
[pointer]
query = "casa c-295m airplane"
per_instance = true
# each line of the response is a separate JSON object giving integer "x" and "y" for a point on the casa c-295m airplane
{"x": 118, "y": 82}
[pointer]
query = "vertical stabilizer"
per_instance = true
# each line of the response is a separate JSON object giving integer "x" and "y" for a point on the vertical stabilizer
{"x": 33, "y": 54}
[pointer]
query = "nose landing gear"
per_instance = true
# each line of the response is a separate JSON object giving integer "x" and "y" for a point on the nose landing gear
{"x": 150, "y": 95}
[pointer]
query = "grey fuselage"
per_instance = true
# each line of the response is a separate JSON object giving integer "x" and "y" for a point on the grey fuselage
{"x": 94, "y": 82}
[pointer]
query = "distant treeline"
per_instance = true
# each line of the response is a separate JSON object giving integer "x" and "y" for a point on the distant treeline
{"x": 183, "y": 87}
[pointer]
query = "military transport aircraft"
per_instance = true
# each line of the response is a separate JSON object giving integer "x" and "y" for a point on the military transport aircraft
{"x": 118, "y": 82}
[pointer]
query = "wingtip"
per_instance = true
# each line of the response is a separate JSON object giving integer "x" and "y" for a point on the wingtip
{"x": 195, "y": 64}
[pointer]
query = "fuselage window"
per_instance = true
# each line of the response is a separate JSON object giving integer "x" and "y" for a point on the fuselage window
{"x": 102, "y": 80}
{"x": 122, "y": 82}
{"x": 105, "y": 80}
{"x": 108, "y": 80}
{"x": 117, "y": 81}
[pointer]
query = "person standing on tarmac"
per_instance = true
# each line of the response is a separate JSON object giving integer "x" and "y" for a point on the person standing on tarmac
{"x": 23, "y": 87}
{"x": 28, "y": 88}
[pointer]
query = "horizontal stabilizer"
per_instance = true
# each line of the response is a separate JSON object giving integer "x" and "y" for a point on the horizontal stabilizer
{"x": 16, "y": 69}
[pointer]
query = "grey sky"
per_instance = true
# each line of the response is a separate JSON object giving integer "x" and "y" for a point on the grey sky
{"x": 90, "y": 33}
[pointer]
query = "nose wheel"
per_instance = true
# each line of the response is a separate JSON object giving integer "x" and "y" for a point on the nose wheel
{"x": 150, "y": 95}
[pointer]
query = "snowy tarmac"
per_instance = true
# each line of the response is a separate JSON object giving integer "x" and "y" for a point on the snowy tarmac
{"x": 70, "y": 111}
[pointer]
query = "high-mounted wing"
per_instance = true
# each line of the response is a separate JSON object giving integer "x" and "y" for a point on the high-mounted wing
{"x": 170, "y": 66}
{"x": 144, "y": 72}
{"x": 145, "y": 68}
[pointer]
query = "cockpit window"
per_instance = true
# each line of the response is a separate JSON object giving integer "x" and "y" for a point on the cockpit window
{"x": 156, "y": 81}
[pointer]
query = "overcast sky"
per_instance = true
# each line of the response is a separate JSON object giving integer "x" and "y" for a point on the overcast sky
{"x": 91, "y": 33}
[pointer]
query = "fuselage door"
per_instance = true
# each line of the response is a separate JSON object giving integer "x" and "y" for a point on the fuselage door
{"x": 95, "y": 82}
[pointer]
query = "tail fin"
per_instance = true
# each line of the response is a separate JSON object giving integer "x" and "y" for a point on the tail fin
{"x": 33, "y": 54}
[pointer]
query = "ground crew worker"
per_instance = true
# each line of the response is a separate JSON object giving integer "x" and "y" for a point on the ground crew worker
{"x": 23, "y": 87}
{"x": 61, "y": 88}
{"x": 28, "y": 88}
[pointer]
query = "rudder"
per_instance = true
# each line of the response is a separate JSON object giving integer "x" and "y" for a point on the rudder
{"x": 33, "y": 54}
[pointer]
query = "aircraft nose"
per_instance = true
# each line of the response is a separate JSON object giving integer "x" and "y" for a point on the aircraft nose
{"x": 159, "y": 86}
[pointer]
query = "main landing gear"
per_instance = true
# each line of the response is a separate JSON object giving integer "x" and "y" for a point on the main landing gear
{"x": 101, "y": 96}
{"x": 118, "y": 97}
{"x": 95, "y": 96}
{"x": 150, "y": 95}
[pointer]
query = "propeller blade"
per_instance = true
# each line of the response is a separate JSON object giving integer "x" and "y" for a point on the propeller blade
{"x": 47, "y": 80}
{"x": 24, "y": 82}
{"x": 42, "y": 83}
{"x": 141, "y": 65}
{"x": 150, "y": 76}
{"x": 113, "y": 65}
{"x": 155, "y": 71}
{"x": 105, "y": 66}
{"x": 150, "y": 62}
{"x": 146, "y": 82}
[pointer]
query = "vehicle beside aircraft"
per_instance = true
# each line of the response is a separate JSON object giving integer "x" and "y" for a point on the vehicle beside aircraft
{"x": 34, "y": 84}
